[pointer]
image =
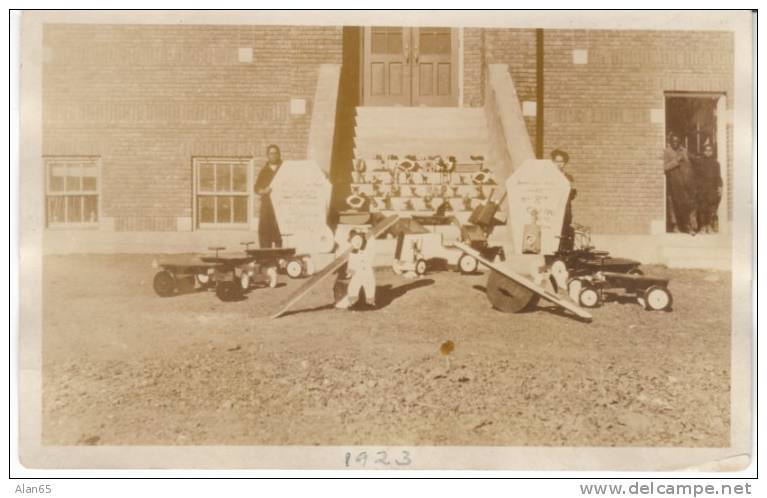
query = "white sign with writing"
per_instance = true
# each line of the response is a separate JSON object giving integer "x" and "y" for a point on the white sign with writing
{"x": 537, "y": 195}
{"x": 301, "y": 198}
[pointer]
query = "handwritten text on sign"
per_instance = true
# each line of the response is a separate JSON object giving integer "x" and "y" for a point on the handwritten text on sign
{"x": 537, "y": 193}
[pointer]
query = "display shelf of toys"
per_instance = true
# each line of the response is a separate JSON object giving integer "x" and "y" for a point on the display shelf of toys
{"x": 416, "y": 185}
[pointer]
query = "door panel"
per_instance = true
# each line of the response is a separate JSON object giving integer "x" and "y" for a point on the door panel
{"x": 436, "y": 76}
{"x": 410, "y": 66}
{"x": 386, "y": 66}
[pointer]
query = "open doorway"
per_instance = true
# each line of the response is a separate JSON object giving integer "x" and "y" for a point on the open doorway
{"x": 694, "y": 201}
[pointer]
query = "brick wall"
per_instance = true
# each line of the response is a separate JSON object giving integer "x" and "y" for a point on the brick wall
{"x": 149, "y": 98}
{"x": 514, "y": 47}
{"x": 600, "y": 112}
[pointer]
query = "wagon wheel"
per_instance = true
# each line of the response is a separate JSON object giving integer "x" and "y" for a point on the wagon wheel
{"x": 228, "y": 290}
{"x": 589, "y": 297}
{"x": 559, "y": 274}
{"x": 294, "y": 268}
{"x": 508, "y": 296}
{"x": 467, "y": 264}
{"x": 164, "y": 284}
{"x": 420, "y": 267}
{"x": 657, "y": 299}
{"x": 574, "y": 287}
{"x": 244, "y": 281}
{"x": 204, "y": 280}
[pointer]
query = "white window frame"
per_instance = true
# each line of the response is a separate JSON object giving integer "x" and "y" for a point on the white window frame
{"x": 68, "y": 161}
{"x": 198, "y": 192}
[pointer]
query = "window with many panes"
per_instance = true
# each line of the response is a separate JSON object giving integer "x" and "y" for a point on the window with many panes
{"x": 72, "y": 191}
{"x": 222, "y": 196}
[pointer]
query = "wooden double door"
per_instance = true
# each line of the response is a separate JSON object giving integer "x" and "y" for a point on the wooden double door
{"x": 406, "y": 66}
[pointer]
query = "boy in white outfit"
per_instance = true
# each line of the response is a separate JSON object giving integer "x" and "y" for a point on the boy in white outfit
{"x": 360, "y": 269}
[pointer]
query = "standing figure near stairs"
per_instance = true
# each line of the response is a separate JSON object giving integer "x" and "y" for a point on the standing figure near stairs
{"x": 268, "y": 230}
{"x": 567, "y": 237}
{"x": 360, "y": 272}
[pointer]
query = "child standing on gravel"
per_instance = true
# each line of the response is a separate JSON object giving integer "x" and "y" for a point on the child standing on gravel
{"x": 360, "y": 270}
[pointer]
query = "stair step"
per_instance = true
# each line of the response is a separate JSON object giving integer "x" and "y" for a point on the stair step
{"x": 405, "y": 143}
{"x": 363, "y": 153}
{"x": 427, "y": 133}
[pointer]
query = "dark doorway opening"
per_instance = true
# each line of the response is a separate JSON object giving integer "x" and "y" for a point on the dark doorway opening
{"x": 693, "y": 118}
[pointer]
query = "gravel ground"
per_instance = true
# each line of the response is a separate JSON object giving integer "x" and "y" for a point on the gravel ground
{"x": 123, "y": 366}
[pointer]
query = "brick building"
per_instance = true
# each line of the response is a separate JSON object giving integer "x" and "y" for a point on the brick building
{"x": 156, "y": 132}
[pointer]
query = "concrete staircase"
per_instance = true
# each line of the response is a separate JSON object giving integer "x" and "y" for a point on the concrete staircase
{"x": 445, "y": 131}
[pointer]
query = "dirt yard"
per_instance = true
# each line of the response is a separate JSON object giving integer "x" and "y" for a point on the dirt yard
{"x": 123, "y": 366}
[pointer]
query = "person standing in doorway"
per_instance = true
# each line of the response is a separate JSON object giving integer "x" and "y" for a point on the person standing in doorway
{"x": 676, "y": 166}
{"x": 708, "y": 177}
{"x": 268, "y": 230}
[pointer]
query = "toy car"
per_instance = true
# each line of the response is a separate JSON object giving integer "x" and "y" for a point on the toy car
{"x": 427, "y": 247}
{"x": 285, "y": 260}
{"x": 231, "y": 276}
{"x": 591, "y": 291}
{"x": 583, "y": 259}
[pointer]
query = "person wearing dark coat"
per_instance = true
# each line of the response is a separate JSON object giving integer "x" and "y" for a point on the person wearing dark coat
{"x": 708, "y": 179}
{"x": 677, "y": 167}
{"x": 567, "y": 237}
{"x": 268, "y": 229}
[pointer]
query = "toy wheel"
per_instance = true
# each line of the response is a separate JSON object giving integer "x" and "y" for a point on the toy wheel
{"x": 245, "y": 281}
{"x": 309, "y": 266}
{"x": 574, "y": 287}
{"x": 294, "y": 268}
{"x": 589, "y": 297}
{"x": 508, "y": 296}
{"x": 559, "y": 273}
{"x": 657, "y": 298}
{"x": 271, "y": 272}
{"x": 420, "y": 267}
{"x": 467, "y": 264}
{"x": 164, "y": 284}
{"x": 636, "y": 271}
{"x": 228, "y": 291}
{"x": 203, "y": 279}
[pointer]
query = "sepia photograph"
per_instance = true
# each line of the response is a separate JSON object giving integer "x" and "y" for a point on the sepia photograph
{"x": 386, "y": 240}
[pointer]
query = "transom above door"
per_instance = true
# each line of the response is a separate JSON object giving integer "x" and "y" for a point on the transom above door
{"x": 410, "y": 66}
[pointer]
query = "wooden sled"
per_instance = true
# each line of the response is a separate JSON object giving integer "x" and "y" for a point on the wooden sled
{"x": 376, "y": 231}
{"x": 511, "y": 292}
